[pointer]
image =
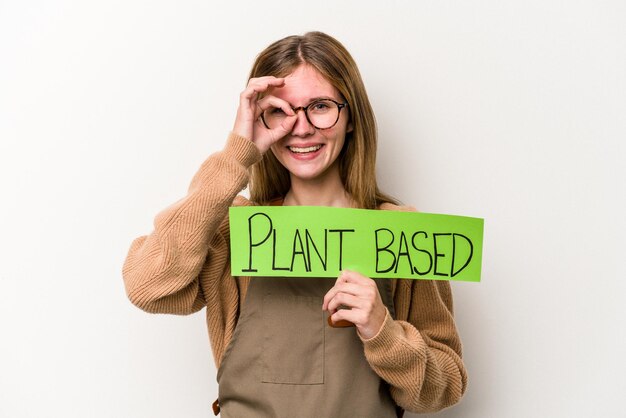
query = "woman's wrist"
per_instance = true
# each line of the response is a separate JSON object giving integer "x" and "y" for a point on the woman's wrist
{"x": 243, "y": 149}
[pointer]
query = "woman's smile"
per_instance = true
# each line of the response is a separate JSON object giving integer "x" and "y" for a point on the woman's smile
{"x": 304, "y": 149}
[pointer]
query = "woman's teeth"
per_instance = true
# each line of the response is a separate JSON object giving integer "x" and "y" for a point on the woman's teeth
{"x": 305, "y": 150}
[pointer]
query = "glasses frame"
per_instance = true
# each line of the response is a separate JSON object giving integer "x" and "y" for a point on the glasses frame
{"x": 306, "y": 112}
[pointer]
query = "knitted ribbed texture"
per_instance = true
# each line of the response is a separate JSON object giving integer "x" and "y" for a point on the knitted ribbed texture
{"x": 183, "y": 265}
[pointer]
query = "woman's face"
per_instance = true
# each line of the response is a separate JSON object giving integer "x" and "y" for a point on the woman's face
{"x": 309, "y": 153}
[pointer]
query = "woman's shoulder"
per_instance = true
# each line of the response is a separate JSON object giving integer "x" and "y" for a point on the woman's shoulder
{"x": 397, "y": 207}
{"x": 242, "y": 201}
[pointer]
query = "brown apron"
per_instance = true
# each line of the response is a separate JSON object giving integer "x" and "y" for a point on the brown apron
{"x": 284, "y": 360}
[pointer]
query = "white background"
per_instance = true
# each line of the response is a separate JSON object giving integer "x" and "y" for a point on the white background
{"x": 511, "y": 111}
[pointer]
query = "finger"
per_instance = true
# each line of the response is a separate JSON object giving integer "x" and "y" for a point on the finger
{"x": 368, "y": 288}
{"x": 328, "y": 296}
{"x": 351, "y": 276}
{"x": 352, "y": 316}
{"x": 260, "y": 85}
{"x": 266, "y": 82}
{"x": 268, "y": 79}
{"x": 270, "y": 101}
{"x": 357, "y": 290}
{"x": 345, "y": 300}
{"x": 334, "y": 290}
{"x": 337, "y": 323}
{"x": 249, "y": 97}
{"x": 285, "y": 127}
{"x": 264, "y": 138}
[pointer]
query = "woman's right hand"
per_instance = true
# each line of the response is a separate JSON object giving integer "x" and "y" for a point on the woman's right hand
{"x": 248, "y": 123}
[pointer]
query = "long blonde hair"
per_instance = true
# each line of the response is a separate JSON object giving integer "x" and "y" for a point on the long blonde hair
{"x": 357, "y": 161}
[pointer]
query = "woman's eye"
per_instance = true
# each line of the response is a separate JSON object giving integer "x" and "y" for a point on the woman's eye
{"x": 320, "y": 106}
{"x": 277, "y": 111}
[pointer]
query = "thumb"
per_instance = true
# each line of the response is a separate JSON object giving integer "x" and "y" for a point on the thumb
{"x": 281, "y": 131}
{"x": 286, "y": 126}
{"x": 269, "y": 137}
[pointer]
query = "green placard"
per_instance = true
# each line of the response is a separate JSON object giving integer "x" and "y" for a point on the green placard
{"x": 315, "y": 241}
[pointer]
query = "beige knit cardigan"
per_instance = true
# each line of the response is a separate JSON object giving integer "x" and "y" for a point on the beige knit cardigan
{"x": 183, "y": 266}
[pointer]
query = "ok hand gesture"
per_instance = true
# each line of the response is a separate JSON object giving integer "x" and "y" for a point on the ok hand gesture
{"x": 247, "y": 123}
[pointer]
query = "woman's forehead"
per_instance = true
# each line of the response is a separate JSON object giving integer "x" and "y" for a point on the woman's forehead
{"x": 304, "y": 84}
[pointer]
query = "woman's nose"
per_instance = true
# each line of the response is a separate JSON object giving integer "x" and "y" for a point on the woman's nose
{"x": 302, "y": 126}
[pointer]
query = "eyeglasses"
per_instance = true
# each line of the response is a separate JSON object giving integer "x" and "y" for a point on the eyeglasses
{"x": 322, "y": 114}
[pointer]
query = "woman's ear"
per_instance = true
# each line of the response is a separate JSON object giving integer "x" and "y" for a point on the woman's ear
{"x": 349, "y": 128}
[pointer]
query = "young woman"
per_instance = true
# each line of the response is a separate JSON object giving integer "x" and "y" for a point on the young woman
{"x": 304, "y": 134}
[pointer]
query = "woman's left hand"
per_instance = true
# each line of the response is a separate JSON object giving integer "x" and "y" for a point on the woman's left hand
{"x": 362, "y": 302}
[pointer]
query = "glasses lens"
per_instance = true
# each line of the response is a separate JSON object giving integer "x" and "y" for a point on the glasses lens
{"x": 273, "y": 117}
{"x": 323, "y": 113}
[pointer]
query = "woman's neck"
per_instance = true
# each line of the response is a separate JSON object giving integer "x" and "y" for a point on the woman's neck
{"x": 325, "y": 190}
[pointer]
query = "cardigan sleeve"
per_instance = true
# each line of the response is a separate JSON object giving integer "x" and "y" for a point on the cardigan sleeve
{"x": 420, "y": 356}
{"x": 161, "y": 269}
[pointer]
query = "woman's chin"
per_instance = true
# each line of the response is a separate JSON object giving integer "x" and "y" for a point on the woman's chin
{"x": 306, "y": 175}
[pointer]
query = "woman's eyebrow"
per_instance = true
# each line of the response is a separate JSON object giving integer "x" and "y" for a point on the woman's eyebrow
{"x": 316, "y": 99}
